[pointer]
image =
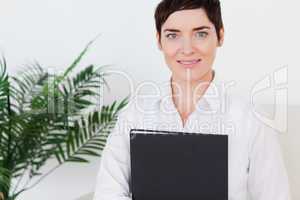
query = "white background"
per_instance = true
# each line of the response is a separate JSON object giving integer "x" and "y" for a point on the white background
{"x": 261, "y": 36}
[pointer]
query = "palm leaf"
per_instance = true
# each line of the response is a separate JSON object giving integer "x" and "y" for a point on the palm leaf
{"x": 27, "y": 88}
{"x": 4, "y": 179}
{"x": 88, "y": 136}
{"x": 69, "y": 69}
{"x": 4, "y": 84}
{"x": 77, "y": 91}
{"x": 41, "y": 117}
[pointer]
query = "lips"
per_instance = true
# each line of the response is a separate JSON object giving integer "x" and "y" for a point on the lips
{"x": 189, "y": 63}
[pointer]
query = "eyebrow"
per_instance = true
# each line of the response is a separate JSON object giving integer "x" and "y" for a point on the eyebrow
{"x": 194, "y": 29}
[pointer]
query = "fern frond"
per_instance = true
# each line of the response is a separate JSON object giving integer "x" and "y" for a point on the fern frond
{"x": 27, "y": 88}
{"x": 79, "y": 89}
{"x": 88, "y": 136}
{"x": 5, "y": 178}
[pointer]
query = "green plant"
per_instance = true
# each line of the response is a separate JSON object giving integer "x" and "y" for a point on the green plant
{"x": 45, "y": 116}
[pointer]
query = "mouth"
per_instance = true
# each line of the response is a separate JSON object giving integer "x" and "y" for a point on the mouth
{"x": 189, "y": 63}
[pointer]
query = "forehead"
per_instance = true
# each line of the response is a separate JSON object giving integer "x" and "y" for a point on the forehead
{"x": 187, "y": 19}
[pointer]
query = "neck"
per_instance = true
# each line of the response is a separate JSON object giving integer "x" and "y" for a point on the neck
{"x": 187, "y": 93}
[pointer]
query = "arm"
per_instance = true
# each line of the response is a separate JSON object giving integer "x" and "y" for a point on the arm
{"x": 114, "y": 173}
{"x": 267, "y": 174}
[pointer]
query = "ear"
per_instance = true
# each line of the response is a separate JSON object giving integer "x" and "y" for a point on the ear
{"x": 221, "y": 40}
{"x": 158, "y": 41}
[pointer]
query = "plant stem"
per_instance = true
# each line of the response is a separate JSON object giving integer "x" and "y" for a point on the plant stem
{"x": 42, "y": 177}
{"x": 20, "y": 179}
{"x": 8, "y": 164}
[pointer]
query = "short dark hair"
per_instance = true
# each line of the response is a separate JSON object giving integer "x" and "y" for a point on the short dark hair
{"x": 166, "y": 7}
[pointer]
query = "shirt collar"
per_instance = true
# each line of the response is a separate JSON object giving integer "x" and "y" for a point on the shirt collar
{"x": 208, "y": 103}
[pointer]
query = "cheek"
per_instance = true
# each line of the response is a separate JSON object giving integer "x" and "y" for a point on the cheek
{"x": 207, "y": 50}
{"x": 171, "y": 53}
{"x": 170, "y": 50}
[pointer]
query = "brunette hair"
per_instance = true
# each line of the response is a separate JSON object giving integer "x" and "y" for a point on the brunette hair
{"x": 166, "y": 7}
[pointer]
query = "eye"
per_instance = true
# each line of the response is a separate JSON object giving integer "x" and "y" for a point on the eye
{"x": 202, "y": 34}
{"x": 171, "y": 36}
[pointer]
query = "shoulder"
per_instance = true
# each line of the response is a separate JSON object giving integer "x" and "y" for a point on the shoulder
{"x": 241, "y": 112}
{"x": 138, "y": 109}
{"x": 238, "y": 106}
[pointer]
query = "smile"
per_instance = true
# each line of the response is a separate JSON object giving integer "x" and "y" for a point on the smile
{"x": 189, "y": 63}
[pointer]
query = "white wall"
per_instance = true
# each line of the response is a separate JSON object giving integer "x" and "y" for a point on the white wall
{"x": 261, "y": 36}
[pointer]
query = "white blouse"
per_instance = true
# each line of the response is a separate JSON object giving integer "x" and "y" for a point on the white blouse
{"x": 256, "y": 169}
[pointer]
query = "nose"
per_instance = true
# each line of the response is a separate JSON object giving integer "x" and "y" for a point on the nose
{"x": 187, "y": 47}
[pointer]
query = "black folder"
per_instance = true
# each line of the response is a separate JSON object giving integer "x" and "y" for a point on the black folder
{"x": 178, "y": 166}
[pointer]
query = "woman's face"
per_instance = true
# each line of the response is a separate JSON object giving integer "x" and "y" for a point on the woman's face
{"x": 189, "y": 43}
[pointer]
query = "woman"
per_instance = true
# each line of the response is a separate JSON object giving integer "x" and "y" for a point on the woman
{"x": 188, "y": 34}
